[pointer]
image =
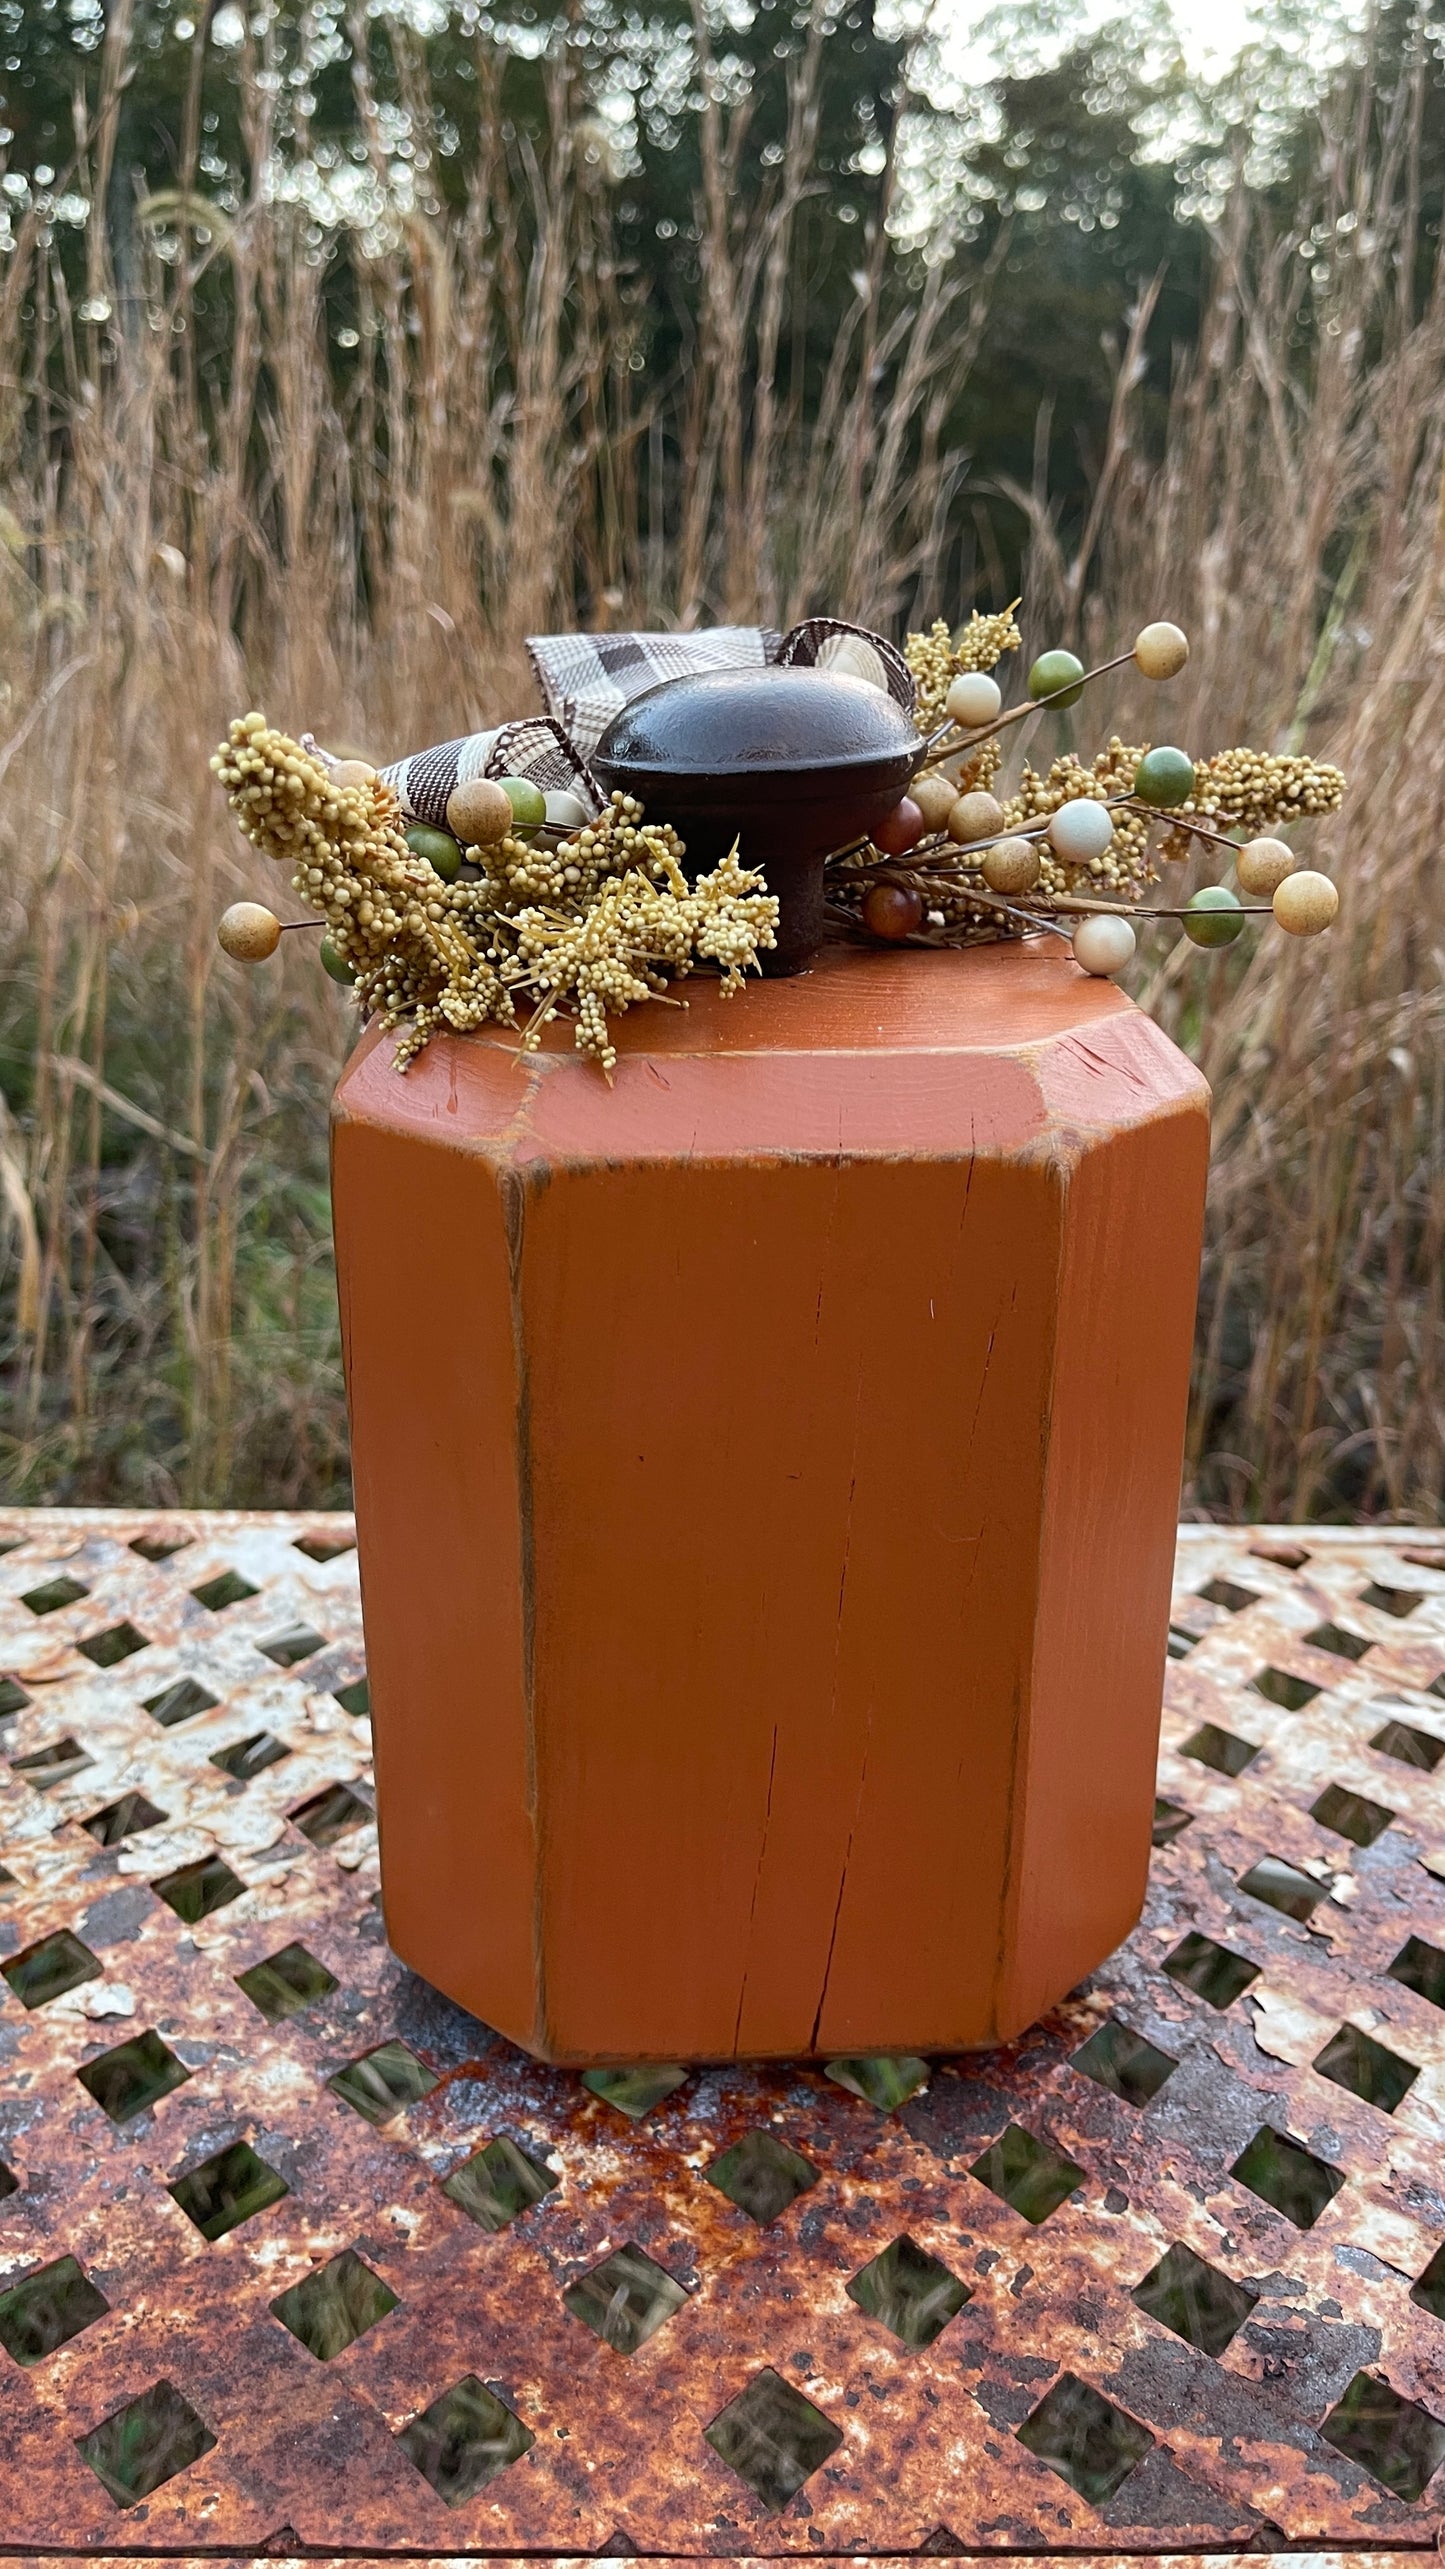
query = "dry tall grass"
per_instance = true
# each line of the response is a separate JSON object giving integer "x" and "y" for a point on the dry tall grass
{"x": 177, "y": 545}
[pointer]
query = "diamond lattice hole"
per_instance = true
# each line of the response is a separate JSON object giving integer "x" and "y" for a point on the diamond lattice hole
{"x": 247, "y": 1757}
{"x": 1429, "y": 2291}
{"x": 1170, "y": 1821}
{"x": 1420, "y": 1967}
{"x": 160, "y": 1547}
{"x": 1392, "y": 1601}
{"x": 1351, "y": 1815}
{"x": 194, "y": 1890}
{"x": 54, "y": 1764}
{"x": 1278, "y": 1686}
{"x": 179, "y": 1702}
{"x": 383, "y": 2081}
{"x": 299, "y": 1641}
{"x": 286, "y": 1982}
{"x": 144, "y": 2444}
{"x": 1409, "y": 1746}
{"x": 497, "y": 2183}
{"x": 1121, "y": 2060}
{"x": 1224, "y": 1592}
{"x": 1213, "y": 1972}
{"x": 884, "y": 2079}
{"x": 134, "y": 2076}
{"x": 1287, "y": 2176}
{"x": 1399, "y": 2443}
{"x": 13, "y": 1699}
{"x": 1338, "y": 1641}
{"x": 1194, "y": 2299}
{"x": 123, "y": 1819}
{"x": 1085, "y": 2438}
{"x": 9, "y": 2181}
{"x": 330, "y": 2309}
{"x": 329, "y": 1814}
{"x": 227, "y": 2189}
{"x": 1219, "y": 1749}
{"x": 1356, "y": 2061}
{"x": 46, "y": 2309}
{"x": 465, "y": 2439}
{"x": 626, "y": 2299}
{"x": 325, "y": 1547}
{"x": 773, "y": 2438}
{"x": 1027, "y": 2173}
{"x": 47, "y": 1969}
{"x": 1282, "y": 1886}
{"x": 355, "y": 1699}
{"x": 229, "y": 1589}
{"x": 55, "y": 1593}
{"x": 634, "y": 2091}
{"x": 911, "y": 2292}
{"x": 107, "y": 1649}
{"x": 761, "y": 2175}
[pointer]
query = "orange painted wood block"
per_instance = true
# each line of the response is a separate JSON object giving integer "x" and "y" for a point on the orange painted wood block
{"x": 766, "y": 1482}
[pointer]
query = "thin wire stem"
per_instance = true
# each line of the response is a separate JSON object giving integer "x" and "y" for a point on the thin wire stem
{"x": 1176, "y": 821}
{"x": 1160, "y": 909}
{"x": 1035, "y": 705}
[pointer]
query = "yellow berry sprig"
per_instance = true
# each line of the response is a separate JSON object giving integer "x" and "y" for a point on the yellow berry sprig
{"x": 582, "y": 923}
{"x": 955, "y": 862}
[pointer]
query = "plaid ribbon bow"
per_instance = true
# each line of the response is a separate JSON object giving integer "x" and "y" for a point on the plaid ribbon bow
{"x": 586, "y": 678}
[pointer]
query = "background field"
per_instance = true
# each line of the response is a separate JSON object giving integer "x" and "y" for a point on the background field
{"x": 335, "y": 358}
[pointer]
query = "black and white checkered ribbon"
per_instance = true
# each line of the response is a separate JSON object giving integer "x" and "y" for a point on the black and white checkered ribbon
{"x": 587, "y": 678}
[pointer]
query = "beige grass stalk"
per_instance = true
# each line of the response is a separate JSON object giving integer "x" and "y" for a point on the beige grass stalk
{"x": 363, "y": 553}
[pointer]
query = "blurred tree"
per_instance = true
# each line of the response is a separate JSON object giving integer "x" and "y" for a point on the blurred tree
{"x": 1078, "y": 180}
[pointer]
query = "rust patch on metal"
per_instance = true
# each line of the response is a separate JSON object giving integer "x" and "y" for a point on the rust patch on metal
{"x": 1189, "y": 2348}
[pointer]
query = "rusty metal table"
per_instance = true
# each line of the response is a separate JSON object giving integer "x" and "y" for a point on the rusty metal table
{"x": 295, "y": 2256}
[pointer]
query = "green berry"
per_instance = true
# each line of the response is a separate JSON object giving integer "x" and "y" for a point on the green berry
{"x": 1058, "y": 676}
{"x": 336, "y": 964}
{"x": 529, "y": 803}
{"x": 438, "y": 847}
{"x": 1215, "y": 917}
{"x": 1164, "y": 778}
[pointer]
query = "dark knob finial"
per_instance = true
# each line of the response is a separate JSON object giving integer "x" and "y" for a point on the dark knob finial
{"x": 791, "y": 763}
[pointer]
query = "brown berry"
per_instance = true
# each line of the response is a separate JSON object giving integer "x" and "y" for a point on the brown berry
{"x": 479, "y": 812}
{"x": 1262, "y": 865}
{"x": 900, "y": 830}
{"x": 974, "y": 816}
{"x": 1304, "y": 903}
{"x": 892, "y": 911}
{"x": 1161, "y": 650}
{"x": 247, "y": 932}
{"x": 935, "y": 794}
{"x": 1011, "y": 866}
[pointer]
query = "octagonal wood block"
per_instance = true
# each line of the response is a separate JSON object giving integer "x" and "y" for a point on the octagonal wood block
{"x": 766, "y": 1482}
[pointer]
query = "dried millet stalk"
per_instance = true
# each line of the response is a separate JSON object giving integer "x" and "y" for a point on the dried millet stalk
{"x": 1125, "y": 870}
{"x": 591, "y": 926}
{"x": 1251, "y": 791}
{"x": 936, "y": 660}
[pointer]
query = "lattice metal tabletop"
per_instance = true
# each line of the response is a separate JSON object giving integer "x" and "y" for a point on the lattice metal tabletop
{"x": 293, "y": 2252}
